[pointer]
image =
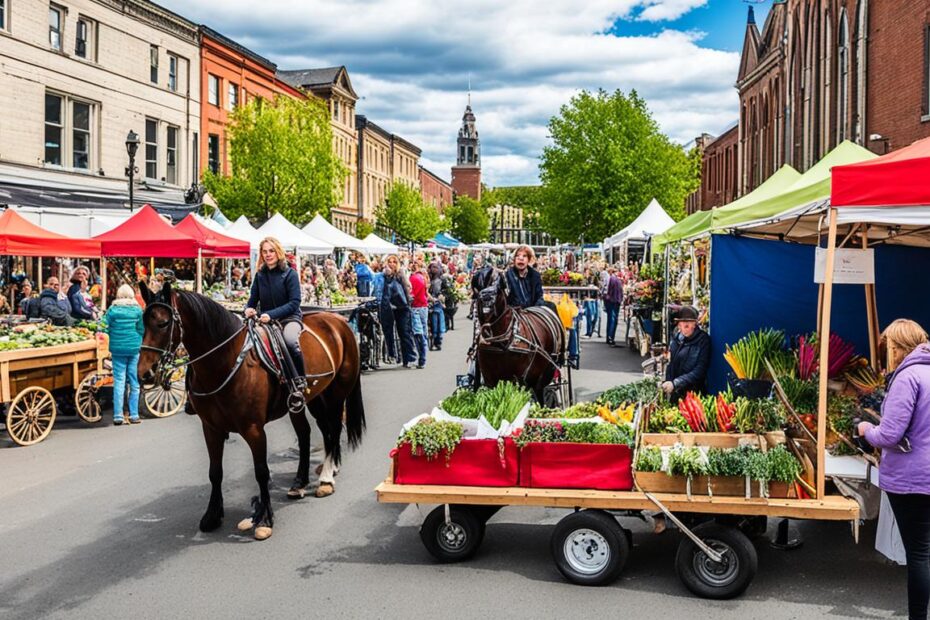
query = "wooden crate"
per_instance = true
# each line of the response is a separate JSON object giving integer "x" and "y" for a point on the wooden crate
{"x": 722, "y": 486}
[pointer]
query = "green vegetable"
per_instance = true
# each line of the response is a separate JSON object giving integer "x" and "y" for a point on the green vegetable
{"x": 502, "y": 402}
{"x": 757, "y": 466}
{"x": 668, "y": 420}
{"x": 649, "y": 459}
{"x": 783, "y": 467}
{"x": 429, "y": 437}
{"x": 580, "y": 411}
{"x": 684, "y": 461}
{"x": 758, "y": 416}
{"x": 597, "y": 432}
{"x": 643, "y": 391}
{"x": 725, "y": 462}
{"x": 747, "y": 356}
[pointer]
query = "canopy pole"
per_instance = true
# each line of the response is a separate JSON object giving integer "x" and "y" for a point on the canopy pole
{"x": 199, "y": 287}
{"x": 103, "y": 285}
{"x": 151, "y": 268}
{"x": 870, "y": 310}
{"x": 824, "y": 337}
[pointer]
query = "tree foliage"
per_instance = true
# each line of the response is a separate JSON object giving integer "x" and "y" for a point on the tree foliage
{"x": 608, "y": 159}
{"x": 405, "y": 213}
{"x": 282, "y": 161}
{"x": 363, "y": 228}
{"x": 468, "y": 220}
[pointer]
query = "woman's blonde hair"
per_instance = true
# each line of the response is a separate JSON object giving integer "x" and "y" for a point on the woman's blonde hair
{"x": 905, "y": 334}
{"x": 276, "y": 246}
{"x": 125, "y": 292}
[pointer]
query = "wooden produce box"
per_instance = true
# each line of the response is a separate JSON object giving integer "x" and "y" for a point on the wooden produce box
{"x": 723, "y": 486}
{"x": 712, "y": 440}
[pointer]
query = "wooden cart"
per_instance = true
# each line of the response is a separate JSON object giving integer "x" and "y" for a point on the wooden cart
{"x": 31, "y": 379}
{"x": 716, "y": 558}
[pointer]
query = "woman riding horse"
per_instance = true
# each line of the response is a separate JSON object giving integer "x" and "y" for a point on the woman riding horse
{"x": 524, "y": 284}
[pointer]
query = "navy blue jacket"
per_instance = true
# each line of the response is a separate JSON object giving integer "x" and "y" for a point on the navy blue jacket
{"x": 79, "y": 308}
{"x": 526, "y": 291}
{"x": 394, "y": 296}
{"x": 690, "y": 358}
{"x": 276, "y": 292}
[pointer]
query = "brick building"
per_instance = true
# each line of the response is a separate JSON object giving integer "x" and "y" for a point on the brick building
{"x": 435, "y": 191}
{"x": 384, "y": 158}
{"x": 718, "y": 171}
{"x": 466, "y": 173}
{"x": 230, "y": 75}
{"x": 823, "y": 71}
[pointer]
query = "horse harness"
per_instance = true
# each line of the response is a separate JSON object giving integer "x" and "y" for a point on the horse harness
{"x": 267, "y": 341}
{"x": 513, "y": 336}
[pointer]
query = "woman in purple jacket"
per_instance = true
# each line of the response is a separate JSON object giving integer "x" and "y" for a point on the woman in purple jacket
{"x": 904, "y": 437}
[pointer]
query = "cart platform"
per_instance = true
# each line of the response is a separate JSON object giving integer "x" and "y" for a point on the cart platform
{"x": 830, "y": 508}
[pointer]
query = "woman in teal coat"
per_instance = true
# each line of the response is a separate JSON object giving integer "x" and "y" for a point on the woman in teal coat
{"x": 125, "y": 328}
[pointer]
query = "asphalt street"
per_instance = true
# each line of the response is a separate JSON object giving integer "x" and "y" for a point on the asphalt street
{"x": 101, "y": 522}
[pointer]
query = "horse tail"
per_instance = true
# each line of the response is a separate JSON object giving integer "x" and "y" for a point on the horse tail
{"x": 355, "y": 415}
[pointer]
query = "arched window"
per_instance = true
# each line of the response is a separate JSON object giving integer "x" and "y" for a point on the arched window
{"x": 861, "y": 33}
{"x": 842, "y": 81}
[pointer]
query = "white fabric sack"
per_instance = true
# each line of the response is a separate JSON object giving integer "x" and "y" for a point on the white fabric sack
{"x": 406, "y": 427}
{"x": 507, "y": 428}
{"x": 887, "y": 537}
{"x": 471, "y": 427}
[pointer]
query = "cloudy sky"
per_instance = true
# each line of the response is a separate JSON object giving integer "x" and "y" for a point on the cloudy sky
{"x": 410, "y": 62}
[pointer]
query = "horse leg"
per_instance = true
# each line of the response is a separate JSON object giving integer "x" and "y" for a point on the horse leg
{"x": 262, "y": 518}
{"x": 329, "y": 420}
{"x": 213, "y": 517}
{"x": 302, "y": 428}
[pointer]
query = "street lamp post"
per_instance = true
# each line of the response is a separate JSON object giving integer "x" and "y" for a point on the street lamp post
{"x": 132, "y": 145}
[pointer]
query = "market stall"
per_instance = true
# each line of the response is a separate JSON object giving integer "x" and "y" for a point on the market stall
{"x": 293, "y": 238}
{"x": 373, "y": 244}
{"x": 653, "y": 220}
{"x": 320, "y": 229}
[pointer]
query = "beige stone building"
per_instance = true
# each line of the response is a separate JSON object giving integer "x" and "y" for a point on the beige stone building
{"x": 77, "y": 75}
{"x": 384, "y": 159}
{"x": 332, "y": 84}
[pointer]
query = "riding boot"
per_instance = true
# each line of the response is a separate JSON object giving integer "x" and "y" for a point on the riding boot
{"x": 300, "y": 378}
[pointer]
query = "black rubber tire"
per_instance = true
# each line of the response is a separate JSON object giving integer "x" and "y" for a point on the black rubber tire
{"x": 457, "y": 542}
{"x": 707, "y": 579}
{"x": 608, "y": 530}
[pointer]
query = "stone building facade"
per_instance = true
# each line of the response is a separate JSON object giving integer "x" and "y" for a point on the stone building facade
{"x": 823, "y": 71}
{"x": 435, "y": 190}
{"x": 76, "y": 76}
{"x": 230, "y": 75}
{"x": 332, "y": 84}
{"x": 384, "y": 158}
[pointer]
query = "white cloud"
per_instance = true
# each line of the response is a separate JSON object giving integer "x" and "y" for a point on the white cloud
{"x": 410, "y": 62}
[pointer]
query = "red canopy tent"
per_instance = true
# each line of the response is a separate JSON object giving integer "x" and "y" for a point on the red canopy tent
{"x": 213, "y": 244}
{"x": 147, "y": 234}
{"x": 20, "y": 237}
{"x": 898, "y": 179}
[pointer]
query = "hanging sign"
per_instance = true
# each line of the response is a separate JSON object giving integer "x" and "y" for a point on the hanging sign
{"x": 849, "y": 266}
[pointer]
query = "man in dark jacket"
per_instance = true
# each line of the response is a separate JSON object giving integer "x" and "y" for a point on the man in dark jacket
{"x": 690, "y": 356}
{"x": 48, "y": 304}
{"x": 524, "y": 284}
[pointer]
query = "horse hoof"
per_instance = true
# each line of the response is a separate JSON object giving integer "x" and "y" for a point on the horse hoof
{"x": 210, "y": 524}
{"x": 262, "y": 532}
{"x": 297, "y": 493}
{"x": 245, "y": 525}
{"x": 319, "y": 470}
{"x": 325, "y": 489}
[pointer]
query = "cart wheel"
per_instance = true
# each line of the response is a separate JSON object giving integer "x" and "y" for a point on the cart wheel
{"x": 87, "y": 396}
{"x": 590, "y": 548}
{"x": 455, "y": 541}
{"x": 717, "y": 580}
{"x": 31, "y": 415}
{"x": 162, "y": 401}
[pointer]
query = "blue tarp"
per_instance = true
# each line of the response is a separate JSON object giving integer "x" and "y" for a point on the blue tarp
{"x": 444, "y": 240}
{"x": 757, "y": 283}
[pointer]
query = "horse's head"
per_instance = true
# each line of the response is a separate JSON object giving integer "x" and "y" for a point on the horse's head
{"x": 491, "y": 295}
{"x": 162, "y": 331}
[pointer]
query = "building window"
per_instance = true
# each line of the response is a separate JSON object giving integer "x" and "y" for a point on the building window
{"x": 80, "y": 39}
{"x": 171, "y": 170}
{"x": 54, "y": 27}
{"x": 3, "y": 15}
{"x": 213, "y": 90}
{"x": 335, "y": 111}
{"x": 213, "y": 153}
{"x": 153, "y": 64}
{"x": 172, "y": 72}
{"x": 151, "y": 148}
{"x": 80, "y": 135}
{"x": 195, "y": 159}
{"x": 927, "y": 72}
{"x": 54, "y": 129}
{"x": 233, "y": 96}
{"x": 842, "y": 84}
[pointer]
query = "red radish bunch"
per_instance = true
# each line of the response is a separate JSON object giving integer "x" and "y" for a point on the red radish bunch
{"x": 807, "y": 359}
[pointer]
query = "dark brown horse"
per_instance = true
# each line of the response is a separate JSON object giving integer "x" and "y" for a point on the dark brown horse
{"x": 525, "y": 346}
{"x": 232, "y": 392}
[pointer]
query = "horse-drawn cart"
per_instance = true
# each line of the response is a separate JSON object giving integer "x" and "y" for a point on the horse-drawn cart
{"x": 34, "y": 381}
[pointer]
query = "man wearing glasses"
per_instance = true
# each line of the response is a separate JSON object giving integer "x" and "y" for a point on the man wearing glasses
{"x": 48, "y": 304}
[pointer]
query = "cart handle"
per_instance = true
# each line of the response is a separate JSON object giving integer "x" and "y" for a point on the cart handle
{"x": 712, "y": 554}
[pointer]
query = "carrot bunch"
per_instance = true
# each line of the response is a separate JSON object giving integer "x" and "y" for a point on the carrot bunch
{"x": 692, "y": 409}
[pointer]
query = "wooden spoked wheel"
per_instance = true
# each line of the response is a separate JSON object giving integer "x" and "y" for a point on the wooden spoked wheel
{"x": 166, "y": 398}
{"x": 31, "y": 415}
{"x": 87, "y": 396}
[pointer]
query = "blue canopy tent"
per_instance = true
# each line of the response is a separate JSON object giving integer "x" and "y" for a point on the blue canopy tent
{"x": 446, "y": 241}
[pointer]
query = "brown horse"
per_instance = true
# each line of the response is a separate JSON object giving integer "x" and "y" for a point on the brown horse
{"x": 232, "y": 391}
{"x": 523, "y": 345}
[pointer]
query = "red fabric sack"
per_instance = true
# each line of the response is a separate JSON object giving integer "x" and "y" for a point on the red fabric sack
{"x": 474, "y": 462}
{"x": 604, "y": 467}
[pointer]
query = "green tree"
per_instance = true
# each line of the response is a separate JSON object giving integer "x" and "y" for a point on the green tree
{"x": 282, "y": 161}
{"x": 468, "y": 220}
{"x": 608, "y": 159}
{"x": 363, "y": 228}
{"x": 528, "y": 198}
{"x": 405, "y": 213}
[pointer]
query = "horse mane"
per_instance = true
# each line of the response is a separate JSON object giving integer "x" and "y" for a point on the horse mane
{"x": 213, "y": 320}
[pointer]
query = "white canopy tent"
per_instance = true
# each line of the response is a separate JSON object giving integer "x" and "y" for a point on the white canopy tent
{"x": 326, "y": 232}
{"x": 292, "y": 237}
{"x": 652, "y": 221}
{"x": 242, "y": 229}
{"x": 376, "y": 245}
